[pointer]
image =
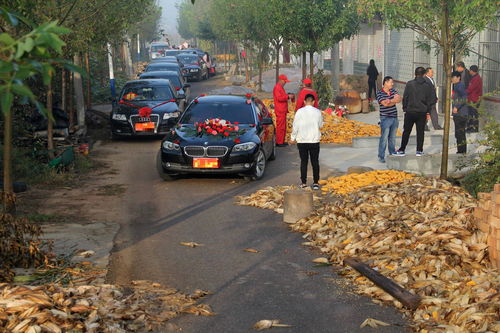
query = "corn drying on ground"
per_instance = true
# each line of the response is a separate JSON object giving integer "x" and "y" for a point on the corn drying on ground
{"x": 144, "y": 306}
{"x": 335, "y": 129}
{"x": 419, "y": 232}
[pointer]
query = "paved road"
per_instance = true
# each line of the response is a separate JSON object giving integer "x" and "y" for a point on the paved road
{"x": 279, "y": 282}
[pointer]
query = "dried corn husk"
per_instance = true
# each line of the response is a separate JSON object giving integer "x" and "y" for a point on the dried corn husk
{"x": 100, "y": 308}
{"x": 420, "y": 233}
{"x": 335, "y": 129}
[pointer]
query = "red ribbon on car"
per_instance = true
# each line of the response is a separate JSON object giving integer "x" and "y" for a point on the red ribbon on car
{"x": 145, "y": 111}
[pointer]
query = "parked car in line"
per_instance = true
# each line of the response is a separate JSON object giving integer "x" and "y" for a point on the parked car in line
{"x": 245, "y": 150}
{"x": 194, "y": 67}
{"x": 172, "y": 59}
{"x": 175, "y": 52}
{"x": 157, "y": 49}
{"x": 146, "y": 107}
{"x": 181, "y": 88}
{"x": 163, "y": 66}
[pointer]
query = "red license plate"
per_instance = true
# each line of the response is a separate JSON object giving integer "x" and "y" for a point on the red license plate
{"x": 149, "y": 126}
{"x": 206, "y": 163}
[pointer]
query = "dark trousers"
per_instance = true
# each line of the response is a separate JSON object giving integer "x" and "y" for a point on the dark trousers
{"x": 306, "y": 150}
{"x": 372, "y": 86}
{"x": 411, "y": 118}
{"x": 434, "y": 117}
{"x": 473, "y": 121}
{"x": 460, "y": 128}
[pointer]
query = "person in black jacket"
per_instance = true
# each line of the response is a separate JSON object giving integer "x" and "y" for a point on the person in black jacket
{"x": 460, "y": 111}
{"x": 418, "y": 99}
{"x": 372, "y": 73}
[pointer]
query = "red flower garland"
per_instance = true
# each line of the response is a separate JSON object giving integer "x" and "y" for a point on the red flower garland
{"x": 217, "y": 126}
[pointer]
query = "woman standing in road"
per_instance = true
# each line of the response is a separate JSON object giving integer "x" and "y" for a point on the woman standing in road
{"x": 372, "y": 73}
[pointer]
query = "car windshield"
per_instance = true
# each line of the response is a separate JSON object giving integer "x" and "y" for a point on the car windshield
{"x": 141, "y": 92}
{"x": 188, "y": 59}
{"x": 172, "y": 78}
{"x": 172, "y": 52}
{"x": 156, "y": 48}
{"x": 233, "y": 112}
{"x": 162, "y": 67}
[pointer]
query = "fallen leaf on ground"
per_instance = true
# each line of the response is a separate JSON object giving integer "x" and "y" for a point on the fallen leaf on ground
{"x": 373, "y": 323}
{"x": 251, "y": 250}
{"x": 267, "y": 324}
{"x": 321, "y": 260}
{"x": 190, "y": 244}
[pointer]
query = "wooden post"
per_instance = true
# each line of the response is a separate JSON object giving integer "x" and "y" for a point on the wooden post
{"x": 9, "y": 199}
{"x": 88, "y": 101}
{"x": 78, "y": 88}
{"x": 409, "y": 300}
{"x": 50, "y": 121}
{"x": 63, "y": 90}
{"x": 277, "y": 60}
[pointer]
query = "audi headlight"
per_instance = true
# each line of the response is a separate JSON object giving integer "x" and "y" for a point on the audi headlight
{"x": 169, "y": 115}
{"x": 119, "y": 116}
{"x": 171, "y": 146}
{"x": 244, "y": 146}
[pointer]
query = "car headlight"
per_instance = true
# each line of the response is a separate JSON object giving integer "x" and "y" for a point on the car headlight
{"x": 171, "y": 146}
{"x": 119, "y": 116}
{"x": 244, "y": 146}
{"x": 169, "y": 115}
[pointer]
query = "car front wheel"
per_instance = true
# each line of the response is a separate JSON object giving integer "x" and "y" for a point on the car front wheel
{"x": 259, "y": 168}
{"x": 161, "y": 171}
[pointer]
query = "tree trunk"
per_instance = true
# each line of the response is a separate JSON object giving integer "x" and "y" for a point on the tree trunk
{"x": 71, "y": 100}
{"x": 277, "y": 46}
{"x": 9, "y": 199}
{"x": 88, "y": 101}
{"x": 225, "y": 57}
{"x": 50, "y": 121}
{"x": 261, "y": 61}
{"x": 335, "y": 69}
{"x": 304, "y": 65}
{"x": 286, "y": 53}
{"x": 78, "y": 86}
{"x": 447, "y": 52}
{"x": 311, "y": 64}
{"x": 129, "y": 70}
{"x": 63, "y": 90}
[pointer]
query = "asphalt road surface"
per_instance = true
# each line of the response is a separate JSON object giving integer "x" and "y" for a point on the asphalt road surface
{"x": 279, "y": 282}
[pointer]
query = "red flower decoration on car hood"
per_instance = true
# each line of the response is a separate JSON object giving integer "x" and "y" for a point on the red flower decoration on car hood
{"x": 145, "y": 112}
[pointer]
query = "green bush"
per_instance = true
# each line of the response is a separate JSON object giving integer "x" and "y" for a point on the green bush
{"x": 321, "y": 83}
{"x": 485, "y": 171}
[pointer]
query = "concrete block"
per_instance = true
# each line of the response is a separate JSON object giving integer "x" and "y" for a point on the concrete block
{"x": 494, "y": 221}
{"x": 428, "y": 165}
{"x": 495, "y": 198}
{"x": 484, "y": 196}
{"x": 372, "y": 141}
{"x": 485, "y": 204}
{"x": 358, "y": 169}
{"x": 495, "y": 210}
{"x": 297, "y": 205}
{"x": 496, "y": 188}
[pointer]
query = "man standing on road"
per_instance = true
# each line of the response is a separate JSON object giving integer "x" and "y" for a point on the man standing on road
{"x": 460, "y": 112}
{"x": 305, "y": 91}
{"x": 306, "y": 131}
{"x": 418, "y": 98}
{"x": 387, "y": 98}
{"x": 474, "y": 93}
{"x": 429, "y": 77}
{"x": 281, "y": 98}
{"x": 464, "y": 73}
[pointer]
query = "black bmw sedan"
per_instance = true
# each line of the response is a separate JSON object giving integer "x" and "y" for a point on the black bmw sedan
{"x": 219, "y": 134}
{"x": 145, "y": 107}
{"x": 193, "y": 66}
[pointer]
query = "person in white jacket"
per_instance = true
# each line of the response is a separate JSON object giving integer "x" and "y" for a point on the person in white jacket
{"x": 306, "y": 132}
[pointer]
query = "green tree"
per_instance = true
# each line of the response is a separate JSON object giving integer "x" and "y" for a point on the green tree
{"x": 27, "y": 56}
{"x": 449, "y": 23}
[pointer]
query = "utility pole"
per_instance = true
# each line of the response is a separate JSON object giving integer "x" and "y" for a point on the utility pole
{"x": 111, "y": 75}
{"x": 138, "y": 50}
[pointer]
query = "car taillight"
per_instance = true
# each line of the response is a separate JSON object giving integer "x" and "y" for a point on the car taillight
{"x": 177, "y": 88}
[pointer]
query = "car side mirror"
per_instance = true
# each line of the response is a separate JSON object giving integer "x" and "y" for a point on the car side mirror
{"x": 187, "y": 85}
{"x": 267, "y": 121}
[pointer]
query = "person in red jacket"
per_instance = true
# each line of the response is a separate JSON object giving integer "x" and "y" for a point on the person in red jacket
{"x": 474, "y": 93}
{"x": 307, "y": 90}
{"x": 281, "y": 98}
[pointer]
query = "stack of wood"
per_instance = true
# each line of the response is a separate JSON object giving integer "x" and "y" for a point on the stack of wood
{"x": 488, "y": 220}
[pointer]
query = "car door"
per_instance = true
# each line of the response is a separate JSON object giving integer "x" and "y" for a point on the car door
{"x": 267, "y": 132}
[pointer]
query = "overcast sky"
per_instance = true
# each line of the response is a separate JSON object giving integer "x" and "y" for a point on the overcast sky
{"x": 169, "y": 18}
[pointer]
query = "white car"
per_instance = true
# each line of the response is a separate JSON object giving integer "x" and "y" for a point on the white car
{"x": 157, "y": 49}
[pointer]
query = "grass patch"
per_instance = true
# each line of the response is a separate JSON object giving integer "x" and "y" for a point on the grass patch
{"x": 46, "y": 218}
{"x": 112, "y": 189}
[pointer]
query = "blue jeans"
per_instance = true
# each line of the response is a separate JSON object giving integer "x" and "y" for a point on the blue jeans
{"x": 388, "y": 128}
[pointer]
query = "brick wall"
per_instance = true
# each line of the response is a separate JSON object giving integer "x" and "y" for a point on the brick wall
{"x": 488, "y": 220}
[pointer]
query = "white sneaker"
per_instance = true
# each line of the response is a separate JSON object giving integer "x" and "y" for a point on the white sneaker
{"x": 419, "y": 153}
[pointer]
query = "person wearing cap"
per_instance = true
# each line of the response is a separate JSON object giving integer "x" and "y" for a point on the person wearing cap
{"x": 306, "y": 132}
{"x": 281, "y": 98}
{"x": 474, "y": 93}
{"x": 307, "y": 89}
